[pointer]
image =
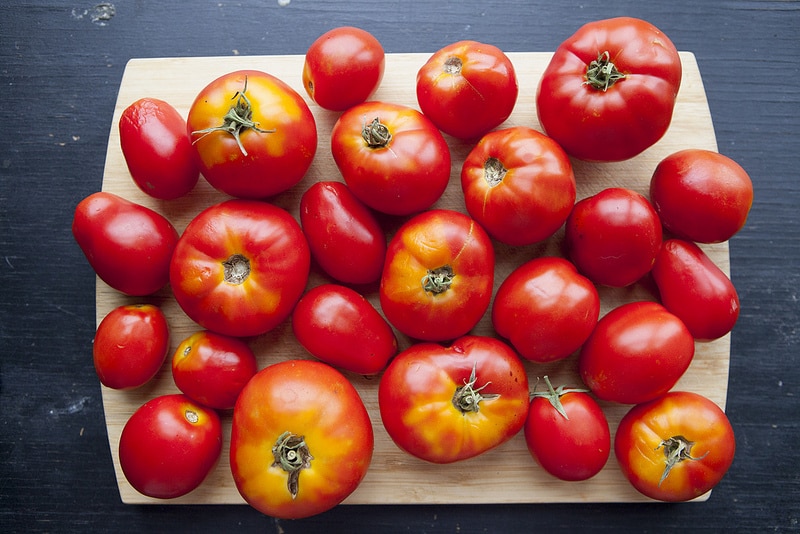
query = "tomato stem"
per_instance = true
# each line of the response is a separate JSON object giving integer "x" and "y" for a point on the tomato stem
{"x": 494, "y": 171}
{"x": 467, "y": 398}
{"x": 676, "y": 450}
{"x": 602, "y": 73}
{"x": 292, "y": 455}
{"x": 452, "y": 66}
{"x": 376, "y": 134}
{"x": 237, "y": 269}
{"x": 438, "y": 280}
{"x": 554, "y": 395}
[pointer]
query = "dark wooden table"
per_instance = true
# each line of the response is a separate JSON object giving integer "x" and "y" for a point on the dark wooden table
{"x": 60, "y": 69}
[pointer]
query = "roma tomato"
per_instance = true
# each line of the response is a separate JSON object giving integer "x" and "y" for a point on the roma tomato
{"x": 240, "y": 267}
{"x": 447, "y": 404}
{"x": 467, "y": 88}
{"x": 157, "y": 149}
{"x": 518, "y": 183}
{"x": 254, "y": 136}
{"x": 676, "y": 447}
{"x": 301, "y": 440}
{"x": 128, "y": 245}
{"x": 609, "y": 90}
{"x": 169, "y": 446}
{"x": 392, "y": 157}
{"x": 438, "y": 277}
{"x": 546, "y": 309}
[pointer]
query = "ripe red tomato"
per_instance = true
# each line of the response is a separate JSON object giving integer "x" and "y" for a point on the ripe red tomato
{"x": 676, "y": 447}
{"x": 546, "y": 309}
{"x": 701, "y": 195}
{"x": 169, "y": 445}
{"x": 128, "y": 245}
{"x": 613, "y": 237}
{"x": 518, "y": 183}
{"x": 254, "y": 136}
{"x": 447, "y": 404}
{"x": 467, "y": 88}
{"x": 343, "y": 67}
{"x": 637, "y": 352}
{"x": 239, "y": 267}
{"x": 609, "y": 90}
{"x": 438, "y": 276}
{"x": 392, "y": 157}
{"x": 301, "y": 440}
{"x": 157, "y": 149}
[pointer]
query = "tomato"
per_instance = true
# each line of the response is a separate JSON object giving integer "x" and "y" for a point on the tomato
{"x": 254, "y": 136}
{"x": 676, "y": 447}
{"x": 467, "y": 88}
{"x": 391, "y": 156}
{"x": 157, "y": 149}
{"x": 546, "y": 309}
{"x": 212, "y": 369}
{"x": 636, "y": 352}
{"x": 343, "y": 67}
{"x": 447, "y": 404}
{"x": 345, "y": 238}
{"x": 518, "y": 183}
{"x": 613, "y": 237}
{"x": 301, "y": 440}
{"x": 169, "y": 446}
{"x": 609, "y": 91}
{"x": 128, "y": 245}
{"x": 240, "y": 267}
{"x": 340, "y": 327}
{"x": 438, "y": 276}
{"x": 701, "y": 195}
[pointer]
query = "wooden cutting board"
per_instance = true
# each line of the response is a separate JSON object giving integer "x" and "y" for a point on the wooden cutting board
{"x": 507, "y": 474}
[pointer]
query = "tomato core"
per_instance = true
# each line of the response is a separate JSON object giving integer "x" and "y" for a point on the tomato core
{"x": 602, "y": 73}
{"x": 438, "y": 280}
{"x": 494, "y": 171}
{"x": 237, "y": 269}
{"x": 292, "y": 455}
{"x": 376, "y": 134}
{"x": 453, "y": 65}
{"x": 467, "y": 398}
{"x": 191, "y": 416}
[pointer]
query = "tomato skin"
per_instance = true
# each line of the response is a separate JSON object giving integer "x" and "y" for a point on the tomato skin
{"x": 467, "y": 88}
{"x": 309, "y": 399}
{"x": 641, "y": 455}
{"x": 535, "y": 193}
{"x": 416, "y": 393}
{"x": 157, "y": 149}
{"x": 128, "y": 245}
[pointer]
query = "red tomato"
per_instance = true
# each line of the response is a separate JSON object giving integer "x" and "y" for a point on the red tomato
{"x": 212, "y": 369}
{"x": 157, "y": 149}
{"x": 613, "y": 237}
{"x": 239, "y": 267}
{"x": 467, "y": 88}
{"x": 343, "y": 67}
{"x": 301, "y": 440}
{"x": 345, "y": 238}
{"x": 676, "y": 447}
{"x": 254, "y": 136}
{"x": 340, "y": 327}
{"x": 609, "y": 90}
{"x": 518, "y": 183}
{"x": 169, "y": 445}
{"x": 392, "y": 157}
{"x": 129, "y": 246}
{"x": 637, "y": 352}
{"x": 701, "y": 195}
{"x": 546, "y": 309}
{"x": 438, "y": 277}
{"x": 447, "y": 404}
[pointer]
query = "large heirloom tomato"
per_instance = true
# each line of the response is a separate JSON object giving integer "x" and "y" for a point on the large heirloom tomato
{"x": 254, "y": 136}
{"x": 446, "y": 404}
{"x": 676, "y": 447}
{"x": 301, "y": 440}
{"x": 609, "y": 90}
{"x": 438, "y": 277}
{"x": 240, "y": 267}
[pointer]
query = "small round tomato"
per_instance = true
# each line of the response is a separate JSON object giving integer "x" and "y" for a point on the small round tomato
{"x": 301, "y": 439}
{"x": 518, "y": 183}
{"x": 343, "y": 67}
{"x": 212, "y": 369}
{"x": 169, "y": 445}
{"x": 447, "y": 404}
{"x": 467, "y": 88}
{"x": 676, "y": 447}
{"x": 438, "y": 276}
{"x": 392, "y": 157}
